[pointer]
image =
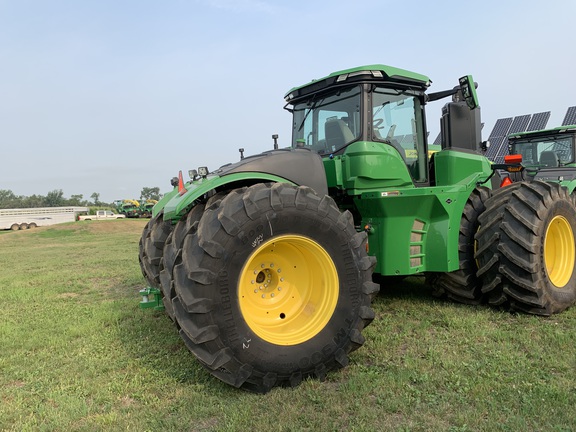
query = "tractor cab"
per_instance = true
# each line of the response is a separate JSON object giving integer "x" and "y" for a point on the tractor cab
{"x": 376, "y": 104}
{"x": 546, "y": 154}
{"x": 379, "y": 110}
{"x": 550, "y": 148}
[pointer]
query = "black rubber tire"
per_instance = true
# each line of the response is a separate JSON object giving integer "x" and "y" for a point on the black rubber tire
{"x": 463, "y": 285}
{"x": 32, "y": 225}
{"x": 151, "y": 247}
{"x": 511, "y": 254}
{"x": 172, "y": 255}
{"x": 24, "y": 226}
{"x": 15, "y": 227}
{"x": 207, "y": 285}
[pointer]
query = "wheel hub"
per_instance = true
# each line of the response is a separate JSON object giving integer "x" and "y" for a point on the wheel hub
{"x": 288, "y": 290}
{"x": 559, "y": 251}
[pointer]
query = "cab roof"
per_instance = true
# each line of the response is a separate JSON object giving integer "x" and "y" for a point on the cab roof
{"x": 376, "y": 72}
{"x": 544, "y": 132}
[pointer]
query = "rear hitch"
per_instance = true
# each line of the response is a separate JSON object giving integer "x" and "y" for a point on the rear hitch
{"x": 151, "y": 298}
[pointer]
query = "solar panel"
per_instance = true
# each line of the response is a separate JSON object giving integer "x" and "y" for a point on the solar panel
{"x": 538, "y": 121}
{"x": 502, "y": 151}
{"x": 501, "y": 127}
{"x": 494, "y": 149}
{"x": 570, "y": 117}
{"x": 519, "y": 124}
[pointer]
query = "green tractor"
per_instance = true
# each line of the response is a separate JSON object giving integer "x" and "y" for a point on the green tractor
{"x": 146, "y": 207}
{"x": 128, "y": 207}
{"x": 268, "y": 265}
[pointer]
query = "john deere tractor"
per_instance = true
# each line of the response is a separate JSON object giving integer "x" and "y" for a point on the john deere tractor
{"x": 128, "y": 207}
{"x": 268, "y": 265}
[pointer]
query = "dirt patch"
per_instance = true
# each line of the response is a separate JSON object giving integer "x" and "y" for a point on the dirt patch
{"x": 114, "y": 226}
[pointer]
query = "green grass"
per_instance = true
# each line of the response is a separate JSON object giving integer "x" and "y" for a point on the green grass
{"x": 77, "y": 353}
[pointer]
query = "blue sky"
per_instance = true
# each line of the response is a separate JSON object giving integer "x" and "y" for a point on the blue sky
{"x": 113, "y": 96}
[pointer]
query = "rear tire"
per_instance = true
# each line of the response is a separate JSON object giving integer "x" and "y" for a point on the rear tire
{"x": 527, "y": 248}
{"x": 151, "y": 247}
{"x": 463, "y": 285}
{"x": 15, "y": 227}
{"x": 244, "y": 301}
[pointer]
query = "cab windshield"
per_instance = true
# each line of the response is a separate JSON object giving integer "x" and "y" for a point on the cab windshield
{"x": 543, "y": 153}
{"x": 329, "y": 122}
{"x": 395, "y": 119}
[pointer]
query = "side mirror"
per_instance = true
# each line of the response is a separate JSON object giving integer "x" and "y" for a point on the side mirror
{"x": 468, "y": 89}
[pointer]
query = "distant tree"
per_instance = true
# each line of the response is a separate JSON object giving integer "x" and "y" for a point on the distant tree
{"x": 55, "y": 198}
{"x": 76, "y": 200}
{"x": 33, "y": 201}
{"x": 96, "y": 197}
{"x": 150, "y": 193}
{"x": 8, "y": 199}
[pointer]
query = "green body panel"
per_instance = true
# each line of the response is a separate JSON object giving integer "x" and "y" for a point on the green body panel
{"x": 411, "y": 229}
{"x": 570, "y": 185}
{"x": 162, "y": 202}
{"x": 365, "y": 165}
{"x": 457, "y": 167}
{"x": 415, "y": 230}
{"x": 176, "y": 206}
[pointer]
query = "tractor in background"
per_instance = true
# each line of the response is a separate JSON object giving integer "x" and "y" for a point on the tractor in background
{"x": 128, "y": 207}
{"x": 268, "y": 265}
{"x": 146, "y": 207}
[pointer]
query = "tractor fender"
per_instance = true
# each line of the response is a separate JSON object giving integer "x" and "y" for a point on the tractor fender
{"x": 295, "y": 166}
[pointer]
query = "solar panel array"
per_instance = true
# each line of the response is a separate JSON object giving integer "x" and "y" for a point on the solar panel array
{"x": 499, "y": 136}
{"x": 570, "y": 117}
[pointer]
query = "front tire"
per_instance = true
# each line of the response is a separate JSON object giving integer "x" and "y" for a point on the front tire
{"x": 151, "y": 247}
{"x": 274, "y": 287}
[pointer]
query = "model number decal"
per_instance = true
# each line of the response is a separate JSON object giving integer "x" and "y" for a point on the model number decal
{"x": 258, "y": 240}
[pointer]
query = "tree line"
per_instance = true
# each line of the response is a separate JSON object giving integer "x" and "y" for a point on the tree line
{"x": 55, "y": 198}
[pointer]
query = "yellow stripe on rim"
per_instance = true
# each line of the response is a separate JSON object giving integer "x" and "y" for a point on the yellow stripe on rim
{"x": 288, "y": 290}
{"x": 559, "y": 251}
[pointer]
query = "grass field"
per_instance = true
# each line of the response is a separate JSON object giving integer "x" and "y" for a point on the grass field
{"x": 77, "y": 353}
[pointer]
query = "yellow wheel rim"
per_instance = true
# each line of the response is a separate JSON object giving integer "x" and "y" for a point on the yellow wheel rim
{"x": 288, "y": 290}
{"x": 559, "y": 251}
